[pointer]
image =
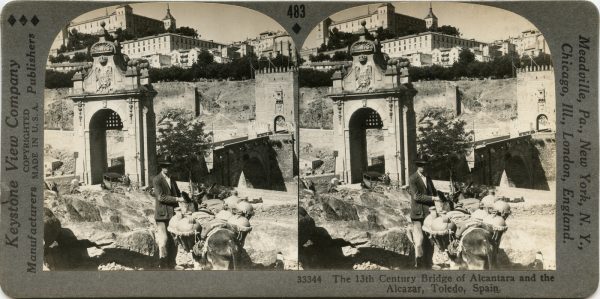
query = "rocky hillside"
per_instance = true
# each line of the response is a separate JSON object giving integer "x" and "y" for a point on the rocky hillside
{"x": 361, "y": 229}
{"x": 482, "y": 100}
{"x": 232, "y": 99}
{"x": 105, "y": 230}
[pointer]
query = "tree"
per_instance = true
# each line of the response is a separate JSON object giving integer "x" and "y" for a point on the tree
{"x": 183, "y": 139}
{"x": 341, "y": 56}
{"x": 78, "y": 41}
{"x": 383, "y": 34}
{"x": 56, "y": 79}
{"x": 443, "y": 138}
{"x": 319, "y": 57}
{"x": 123, "y": 35}
{"x": 465, "y": 57}
{"x": 448, "y": 30}
{"x": 205, "y": 58}
{"x": 339, "y": 39}
{"x": 314, "y": 78}
{"x": 58, "y": 59}
{"x": 187, "y": 31}
{"x": 81, "y": 57}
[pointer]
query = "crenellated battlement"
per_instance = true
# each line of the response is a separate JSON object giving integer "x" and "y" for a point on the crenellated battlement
{"x": 276, "y": 70}
{"x": 535, "y": 68}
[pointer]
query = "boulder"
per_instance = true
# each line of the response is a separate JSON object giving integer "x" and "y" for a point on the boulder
{"x": 396, "y": 240}
{"x": 336, "y": 209}
{"x": 140, "y": 241}
{"x": 86, "y": 211}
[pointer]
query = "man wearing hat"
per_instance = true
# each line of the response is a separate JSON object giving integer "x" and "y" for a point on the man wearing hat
{"x": 423, "y": 195}
{"x": 168, "y": 197}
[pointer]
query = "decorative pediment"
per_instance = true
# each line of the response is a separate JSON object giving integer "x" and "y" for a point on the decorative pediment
{"x": 103, "y": 48}
{"x": 362, "y": 47}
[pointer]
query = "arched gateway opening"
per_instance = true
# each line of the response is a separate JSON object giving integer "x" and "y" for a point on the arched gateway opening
{"x": 366, "y": 143}
{"x": 105, "y": 137}
{"x": 279, "y": 125}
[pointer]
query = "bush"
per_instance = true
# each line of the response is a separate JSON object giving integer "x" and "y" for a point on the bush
{"x": 56, "y": 79}
{"x": 314, "y": 78}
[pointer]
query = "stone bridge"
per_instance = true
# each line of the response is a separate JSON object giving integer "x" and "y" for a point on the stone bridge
{"x": 524, "y": 162}
{"x": 265, "y": 162}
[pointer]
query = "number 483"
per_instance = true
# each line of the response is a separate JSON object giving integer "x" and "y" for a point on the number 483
{"x": 296, "y": 11}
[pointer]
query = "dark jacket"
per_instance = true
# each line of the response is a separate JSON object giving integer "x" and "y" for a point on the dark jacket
{"x": 421, "y": 196}
{"x": 166, "y": 200}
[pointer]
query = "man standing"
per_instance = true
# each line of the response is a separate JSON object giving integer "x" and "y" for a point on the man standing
{"x": 423, "y": 195}
{"x": 168, "y": 197}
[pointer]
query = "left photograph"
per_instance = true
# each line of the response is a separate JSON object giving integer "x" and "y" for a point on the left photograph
{"x": 170, "y": 141}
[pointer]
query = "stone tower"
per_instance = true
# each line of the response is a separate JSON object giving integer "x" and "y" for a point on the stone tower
{"x": 323, "y": 32}
{"x": 169, "y": 20}
{"x": 431, "y": 21}
{"x": 123, "y": 18}
{"x": 114, "y": 94}
{"x": 276, "y": 96}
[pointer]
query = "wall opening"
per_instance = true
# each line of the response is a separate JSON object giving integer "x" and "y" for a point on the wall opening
{"x": 366, "y": 143}
{"x": 106, "y": 145}
{"x": 542, "y": 123}
{"x": 279, "y": 125}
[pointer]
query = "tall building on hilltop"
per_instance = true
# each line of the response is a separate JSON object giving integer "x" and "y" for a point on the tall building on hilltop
{"x": 384, "y": 16}
{"x": 123, "y": 17}
{"x": 164, "y": 44}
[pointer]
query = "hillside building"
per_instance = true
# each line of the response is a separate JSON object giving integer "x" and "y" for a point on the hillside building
{"x": 425, "y": 43}
{"x": 164, "y": 44}
{"x": 530, "y": 43}
{"x": 271, "y": 43}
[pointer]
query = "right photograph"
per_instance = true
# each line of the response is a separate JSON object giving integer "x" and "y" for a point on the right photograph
{"x": 427, "y": 140}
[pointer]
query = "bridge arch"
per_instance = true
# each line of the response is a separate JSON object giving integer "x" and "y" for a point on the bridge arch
{"x": 517, "y": 171}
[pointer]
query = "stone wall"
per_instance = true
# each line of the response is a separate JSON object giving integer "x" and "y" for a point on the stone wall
{"x": 317, "y": 137}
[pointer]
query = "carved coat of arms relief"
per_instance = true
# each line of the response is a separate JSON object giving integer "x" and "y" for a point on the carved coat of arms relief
{"x": 104, "y": 74}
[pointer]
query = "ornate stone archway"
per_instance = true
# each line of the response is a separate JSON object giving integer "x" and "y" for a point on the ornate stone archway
{"x": 113, "y": 83}
{"x": 382, "y": 86}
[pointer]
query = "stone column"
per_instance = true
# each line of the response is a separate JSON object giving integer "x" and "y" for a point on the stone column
{"x": 400, "y": 151}
{"x": 144, "y": 130}
{"x": 340, "y": 138}
{"x": 130, "y": 128}
{"x": 405, "y": 142}
{"x": 411, "y": 137}
{"x": 391, "y": 139}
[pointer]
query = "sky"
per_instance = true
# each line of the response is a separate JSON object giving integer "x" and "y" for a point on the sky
{"x": 221, "y": 23}
{"x": 482, "y": 23}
